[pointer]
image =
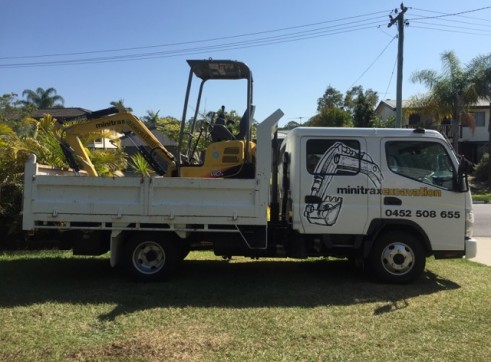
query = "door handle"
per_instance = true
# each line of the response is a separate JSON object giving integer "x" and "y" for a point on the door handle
{"x": 394, "y": 201}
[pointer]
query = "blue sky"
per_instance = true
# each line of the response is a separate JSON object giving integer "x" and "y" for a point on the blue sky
{"x": 322, "y": 43}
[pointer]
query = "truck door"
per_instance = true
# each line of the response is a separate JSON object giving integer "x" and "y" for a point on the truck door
{"x": 418, "y": 187}
{"x": 338, "y": 178}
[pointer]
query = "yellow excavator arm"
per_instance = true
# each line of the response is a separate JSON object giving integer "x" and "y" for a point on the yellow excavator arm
{"x": 123, "y": 122}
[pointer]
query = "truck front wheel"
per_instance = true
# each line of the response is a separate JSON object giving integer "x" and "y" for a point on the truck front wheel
{"x": 149, "y": 258}
{"x": 397, "y": 257}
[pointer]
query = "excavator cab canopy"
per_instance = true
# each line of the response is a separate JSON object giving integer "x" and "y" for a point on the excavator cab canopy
{"x": 210, "y": 69}
{"x": 219, "y": 69}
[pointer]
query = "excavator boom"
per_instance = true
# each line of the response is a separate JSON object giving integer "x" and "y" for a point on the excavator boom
{"x": 111, "y": 119}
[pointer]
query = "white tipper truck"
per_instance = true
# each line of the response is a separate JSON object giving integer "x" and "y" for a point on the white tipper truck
{"x": 385, "y": 198}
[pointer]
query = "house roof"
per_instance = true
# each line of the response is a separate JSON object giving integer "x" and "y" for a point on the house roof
{"x": 391, "y": 103}
{"x": 61, "y": 112}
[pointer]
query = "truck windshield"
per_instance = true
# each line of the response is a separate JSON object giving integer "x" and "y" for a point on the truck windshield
{"x": 425, "y": 161}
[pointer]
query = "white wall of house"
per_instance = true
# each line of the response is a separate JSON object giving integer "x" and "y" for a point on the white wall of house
{"x": 386, "y": 112}
{"x": 386, "y": 109}
{"x": 480, "y": 133}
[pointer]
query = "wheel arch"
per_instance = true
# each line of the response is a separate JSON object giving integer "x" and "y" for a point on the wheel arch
{"x": 380, "y": 226}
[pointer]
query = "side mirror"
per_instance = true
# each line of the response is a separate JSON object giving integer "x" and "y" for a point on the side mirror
{"x": 461, "y": 182}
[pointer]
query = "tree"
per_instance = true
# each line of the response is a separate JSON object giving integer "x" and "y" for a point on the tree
{"x": 383, "y": 123}
{"x": 291, "y": 125}
{"x": 151, "y": 118}
{"x": 43, "y": 141}
{"x": 361, "y": 104}
{"x": 13, "y": 112}
{"x": 169, "y": 126}
{"x": 451, "y": 92}
{"x": 332, "y": 98}
{"x": 331, "y": 117}
{"x": 119, "y": 104}
{"x": 43, "y": 98}
{"x": 480, "y": 68}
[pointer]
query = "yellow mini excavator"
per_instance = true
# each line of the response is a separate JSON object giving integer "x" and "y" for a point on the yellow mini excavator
{"x": 227, "y": 155}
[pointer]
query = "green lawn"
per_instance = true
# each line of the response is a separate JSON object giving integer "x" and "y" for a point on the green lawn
{"x": 486, "y": 198}
{"x": 54, "y": 306}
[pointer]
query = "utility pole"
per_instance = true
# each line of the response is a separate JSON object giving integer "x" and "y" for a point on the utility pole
{"x": 400, "y": 59}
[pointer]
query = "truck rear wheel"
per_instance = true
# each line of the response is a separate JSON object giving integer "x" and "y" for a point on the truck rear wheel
{"x": 397, "y": 257}
{"x": 149, "y": 258}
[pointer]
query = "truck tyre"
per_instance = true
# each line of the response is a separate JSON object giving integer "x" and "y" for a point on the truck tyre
{"x": 397, "y": 257}
{"x": 149, "y": 258}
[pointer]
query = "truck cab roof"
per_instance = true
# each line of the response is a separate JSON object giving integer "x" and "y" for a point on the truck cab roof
{"x": 363, "y": 132}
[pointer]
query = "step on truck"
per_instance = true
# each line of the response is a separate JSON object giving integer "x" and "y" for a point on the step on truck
{"x": 384, "y": 198}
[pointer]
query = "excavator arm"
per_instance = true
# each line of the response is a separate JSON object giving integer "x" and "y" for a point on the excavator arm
{"x": 122, "y": 122}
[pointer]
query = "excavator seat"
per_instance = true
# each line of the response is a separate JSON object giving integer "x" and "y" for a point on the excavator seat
{"x": 221, "y": 133}
{"x": 225, "y": 159}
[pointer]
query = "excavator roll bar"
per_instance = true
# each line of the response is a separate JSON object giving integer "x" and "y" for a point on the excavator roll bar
{"x": 210, "y": 69}
{"x": 222, "y": 165}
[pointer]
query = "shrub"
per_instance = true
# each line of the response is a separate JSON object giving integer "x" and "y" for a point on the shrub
{"x": 10, "y": 212}
{"x": 481, "y": 170}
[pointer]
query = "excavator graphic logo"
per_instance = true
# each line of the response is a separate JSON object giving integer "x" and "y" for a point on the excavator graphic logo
{"x": 339, "y": 159}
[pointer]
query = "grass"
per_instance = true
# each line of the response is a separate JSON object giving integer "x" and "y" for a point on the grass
{"x": 54, "y": 306}
{"x": 480, "y": 192}
{"x": 486, "y": 198}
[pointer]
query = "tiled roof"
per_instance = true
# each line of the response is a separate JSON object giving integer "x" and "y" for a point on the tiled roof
{"x": 60, "y": 112}
{"x": 405, "y": 103}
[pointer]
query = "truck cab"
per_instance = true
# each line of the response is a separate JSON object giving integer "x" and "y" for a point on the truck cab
{"x": 390, "y": 197}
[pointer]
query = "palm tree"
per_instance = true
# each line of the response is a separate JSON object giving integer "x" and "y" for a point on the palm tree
{"x": 451, "y": 91}
{"x": 119, "y": 104}
{"x": 139, "y": 165}
{"x": 43, "y": 98}
{"x": 151, "y": 118}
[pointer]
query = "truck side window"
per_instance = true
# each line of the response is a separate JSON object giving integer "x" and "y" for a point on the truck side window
{"x": 323, "y": 157}
{"x": 427, "y": 162}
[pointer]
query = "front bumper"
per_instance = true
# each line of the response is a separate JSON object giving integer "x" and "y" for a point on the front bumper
{"x": 470, "y": 248}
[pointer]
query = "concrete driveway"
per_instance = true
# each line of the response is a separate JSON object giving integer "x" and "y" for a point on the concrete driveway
{"x": 482, "y": 233}
{"x": 483, "y": 250}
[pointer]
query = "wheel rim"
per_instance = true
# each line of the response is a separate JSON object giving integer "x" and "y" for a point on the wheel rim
{"x": 149, "y": 257}
{"x": 397, "y": 258}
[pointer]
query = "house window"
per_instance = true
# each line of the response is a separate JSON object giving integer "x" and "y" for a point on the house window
{"x": 479, "y": 118}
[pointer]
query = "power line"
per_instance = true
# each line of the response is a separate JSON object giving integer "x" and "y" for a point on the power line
{"x": 242, "y": 41}
{"x": 282, "y": 38}
{"x": 453, "y": 21}
{"x": 451, "y": 27}
{"x": 444, "y": 15}
{"x": 458, "y": 16}
{"x": 201, "y": 40}
{"x": 448, "y": 30}
{"x": 373, "y": 63}
{"x": 390, "y": 79}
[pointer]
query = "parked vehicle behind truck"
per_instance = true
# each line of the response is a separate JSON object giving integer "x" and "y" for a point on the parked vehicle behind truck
{"x": 386, "y": 198}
